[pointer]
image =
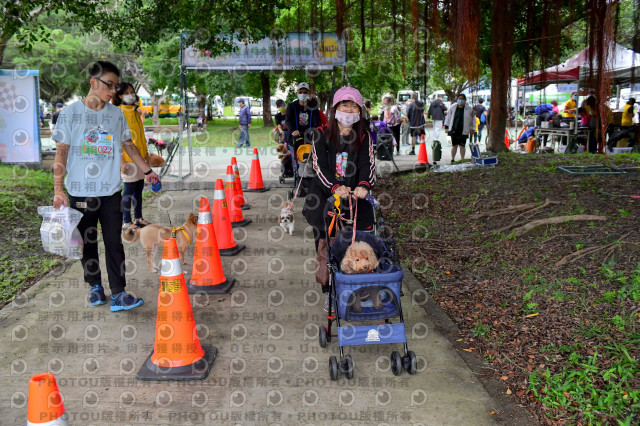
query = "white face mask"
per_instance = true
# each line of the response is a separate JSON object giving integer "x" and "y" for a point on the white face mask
{"x": 302, "y": 97}
{"x": 129, "y": 99}
{"x": 347, "y": 119}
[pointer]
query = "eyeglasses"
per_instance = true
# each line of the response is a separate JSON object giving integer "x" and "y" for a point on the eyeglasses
{"x": 109, "y": 86}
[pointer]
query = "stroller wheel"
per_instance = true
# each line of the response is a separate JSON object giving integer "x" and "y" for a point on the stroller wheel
{"x": 322, "y": 337}
{"x": 348, "y": 364}
{"x": 281, "y": 179}
{"x": 333, "y": 368}
{"x": 396, "y": 363}
{"x": 413, "y": 362}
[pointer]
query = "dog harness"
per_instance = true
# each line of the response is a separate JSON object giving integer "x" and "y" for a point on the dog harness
{"x": 180, "y": 228}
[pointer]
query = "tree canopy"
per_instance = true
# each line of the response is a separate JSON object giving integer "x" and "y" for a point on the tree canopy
{"x": 391, "y": 44}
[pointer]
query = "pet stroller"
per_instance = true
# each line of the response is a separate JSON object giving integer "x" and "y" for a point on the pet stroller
{"x": 384, "y": 148}
{"x": 286, "y": 166}
{"x": 288, "y": 162}
{"x": 302, "y": 178}
{"x": 351, "y": 297}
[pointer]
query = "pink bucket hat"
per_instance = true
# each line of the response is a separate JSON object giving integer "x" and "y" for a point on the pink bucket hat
{"x": 347, "y": 93}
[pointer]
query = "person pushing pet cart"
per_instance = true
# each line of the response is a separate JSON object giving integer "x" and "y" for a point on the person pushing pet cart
{"x": 342, "y": 160}
{"x": 365, "y": 286}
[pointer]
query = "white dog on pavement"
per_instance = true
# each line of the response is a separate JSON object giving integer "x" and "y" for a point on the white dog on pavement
{"x": 286, "y": 219}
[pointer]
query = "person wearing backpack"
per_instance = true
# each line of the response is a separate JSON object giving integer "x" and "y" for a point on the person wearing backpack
{"x": 392, "y": 119}
{"x": 417, "y": 121}
{"x": 481, "y": 113}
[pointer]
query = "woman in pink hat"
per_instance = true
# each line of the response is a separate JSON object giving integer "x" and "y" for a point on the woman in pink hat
{"x": 343, "y": 162}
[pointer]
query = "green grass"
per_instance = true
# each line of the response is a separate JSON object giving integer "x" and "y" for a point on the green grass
{"x": 602, "y": 384}
{"x": 481, "y": 329}
{"x": 593, "y": 386}
{"x": 225, "y": 133}
{"x": 22, "y": 258}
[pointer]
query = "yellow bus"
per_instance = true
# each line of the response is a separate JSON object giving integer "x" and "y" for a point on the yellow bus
{"x": 169, "y": 108}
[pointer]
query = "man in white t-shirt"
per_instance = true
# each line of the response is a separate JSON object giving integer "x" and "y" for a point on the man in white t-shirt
{"x": 90, "y": 135}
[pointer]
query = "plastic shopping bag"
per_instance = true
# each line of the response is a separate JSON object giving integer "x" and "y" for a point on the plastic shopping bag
{"x": 59, "y": 233}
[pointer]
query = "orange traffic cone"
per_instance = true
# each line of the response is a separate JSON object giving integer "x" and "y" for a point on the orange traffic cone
{"x": 422, "y": 153}
{"x": 224, "y": 234}
{"x": 236, "y": 173}
{"x": 177, "y": 353}
{"x": 507, "y": 140}
{"x": 255, "y": 178}
{"x": 45, "y": 405}
{"x": 207, "y": 275}
{"x": 235, "y": 212}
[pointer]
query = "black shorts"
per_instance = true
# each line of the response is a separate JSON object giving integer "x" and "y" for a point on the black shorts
{"x": 418, "y": 131}
{"x": 458, "y": 140}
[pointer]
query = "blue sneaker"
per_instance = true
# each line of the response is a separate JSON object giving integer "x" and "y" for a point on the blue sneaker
{"x": 124, "y": 301}
{"x": 96, "y": 295}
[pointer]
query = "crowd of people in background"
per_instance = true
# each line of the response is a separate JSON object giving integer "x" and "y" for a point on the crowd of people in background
{"x": 587, "y": 116}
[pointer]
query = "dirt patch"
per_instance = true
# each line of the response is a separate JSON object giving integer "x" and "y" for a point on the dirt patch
{"x": 553, "y": 309}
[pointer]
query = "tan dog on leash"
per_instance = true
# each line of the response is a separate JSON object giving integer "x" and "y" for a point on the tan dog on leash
{"x": 154, "y": 234}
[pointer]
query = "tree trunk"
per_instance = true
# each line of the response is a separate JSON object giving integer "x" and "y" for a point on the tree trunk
{"x": 323, "y": 100}
{"x": 210, "y": 106}
{"x": 266, "y": 99}
{"x": 4, "y": 39}
{"x": 155, "y": 102}
{"x": 501, "y": 61}
{"x": 201, "y": 101}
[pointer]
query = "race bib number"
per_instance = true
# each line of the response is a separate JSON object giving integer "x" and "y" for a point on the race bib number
{"x": 97, "y": 142}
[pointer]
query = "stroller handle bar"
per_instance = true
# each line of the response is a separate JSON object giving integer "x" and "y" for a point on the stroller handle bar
{"x": 333, "y": 207}
{"x": 334, "y": 202}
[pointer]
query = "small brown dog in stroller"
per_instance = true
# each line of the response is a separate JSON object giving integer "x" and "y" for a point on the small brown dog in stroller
{"x": 360, "y": 259}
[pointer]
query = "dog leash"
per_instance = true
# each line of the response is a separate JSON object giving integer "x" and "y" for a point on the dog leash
{"x": 353, "y": 216}
{"x": 295, "y": 194}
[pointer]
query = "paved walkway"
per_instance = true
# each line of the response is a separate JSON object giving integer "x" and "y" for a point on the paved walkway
{"x": 270, "y": 368}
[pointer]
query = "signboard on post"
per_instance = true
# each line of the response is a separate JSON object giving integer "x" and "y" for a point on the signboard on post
{"x": 309, "y": 51}
{"x": 19, "y": 110}
{"x": 535, "y": 98}
{"x": 567, "y": 87}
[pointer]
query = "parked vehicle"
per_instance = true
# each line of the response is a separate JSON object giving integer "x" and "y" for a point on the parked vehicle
{"x": 45, "y": 109}
{"x": 432, "y": 97}
{"x": 256, "y": 107}
{"x": 484, "y": 94}
{"x": 217, "y": 109}
{"x": 170, "y": 106}
{"x": 403, "y": 95}
{"x": 236, "y": 104}
{"x": 625, "y": 95}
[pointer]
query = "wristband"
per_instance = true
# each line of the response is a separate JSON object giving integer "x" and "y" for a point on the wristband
{"x": 148, "y": 172}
